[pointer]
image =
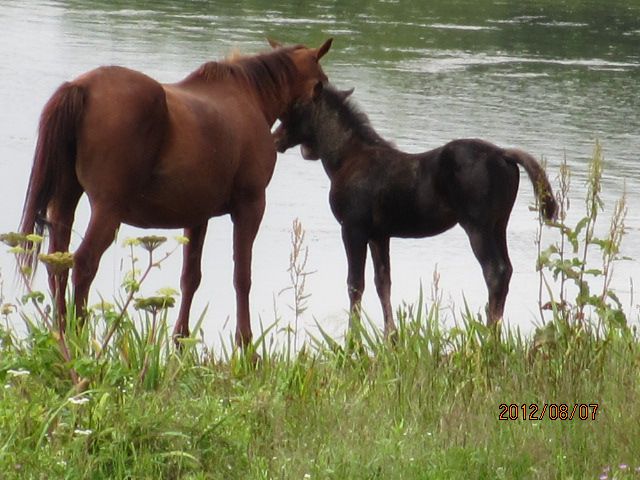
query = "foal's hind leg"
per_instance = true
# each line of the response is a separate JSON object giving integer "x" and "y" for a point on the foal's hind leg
{"x": 490, "y": 248}
{"x": 191, "y": 276}
{"x": 382, "y": 270}
{"x": 99, "y": 235}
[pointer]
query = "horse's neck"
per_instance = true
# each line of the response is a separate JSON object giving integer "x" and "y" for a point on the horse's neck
{"x": 271, "y": 108}
{"x": 270, "y": 103}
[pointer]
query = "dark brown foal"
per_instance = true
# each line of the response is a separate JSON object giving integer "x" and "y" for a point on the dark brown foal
{"x": 378, "y": 192}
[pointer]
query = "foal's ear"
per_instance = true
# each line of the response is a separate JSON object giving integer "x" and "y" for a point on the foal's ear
{"x": 344, "y": 94}
{"x": 274, "y": 43}
{"x": 317, "y": 90}
{"x": 324, "y": 49}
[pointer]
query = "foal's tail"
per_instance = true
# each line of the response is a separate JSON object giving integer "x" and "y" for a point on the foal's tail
{"x": 54, "y": 158}
{"x": 541, "y": 185}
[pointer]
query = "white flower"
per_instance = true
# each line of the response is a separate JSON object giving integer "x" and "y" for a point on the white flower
{"x": 79, "y": 400}
{"x": 307, "y": 475}
{"x": 21, "y": 372}
{"x": 85, "y": 433}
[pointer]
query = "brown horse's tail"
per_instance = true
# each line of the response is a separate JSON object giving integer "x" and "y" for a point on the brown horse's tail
{"x": 541, "y": 185}
{"x": 54, "y": 157}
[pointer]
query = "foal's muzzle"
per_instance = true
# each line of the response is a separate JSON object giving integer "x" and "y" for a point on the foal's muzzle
{"x": 307, "y": 152}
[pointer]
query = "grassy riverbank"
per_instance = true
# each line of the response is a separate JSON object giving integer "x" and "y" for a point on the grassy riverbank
{"x": 117, "y": 400}
{"x": 429, "y": 407}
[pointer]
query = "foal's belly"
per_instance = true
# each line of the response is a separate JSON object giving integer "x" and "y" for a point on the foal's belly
{"x": 421, "y": 228}
{"x": 413, "y": 217}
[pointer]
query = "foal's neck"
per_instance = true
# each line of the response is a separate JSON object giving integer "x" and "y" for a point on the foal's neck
{"x": 333, "y": 139}
{"x": 341, "y": 128}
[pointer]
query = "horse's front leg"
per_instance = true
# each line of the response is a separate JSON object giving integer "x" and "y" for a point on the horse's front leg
{"x": 355, "y": 245}
{"x": 246, "y": 216}
{"x": 191, "y": 276}
{"x": 382, "y": 271}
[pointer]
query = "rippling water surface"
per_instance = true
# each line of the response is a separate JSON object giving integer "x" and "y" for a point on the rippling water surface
{"x": 550, "y": 77}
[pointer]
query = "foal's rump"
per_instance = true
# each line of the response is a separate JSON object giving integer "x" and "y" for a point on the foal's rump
{"x": 478, "y": 175}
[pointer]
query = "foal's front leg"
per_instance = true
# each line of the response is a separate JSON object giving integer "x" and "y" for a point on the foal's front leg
{"x": 355, "y": 245}
{"x": 382, "y": 271}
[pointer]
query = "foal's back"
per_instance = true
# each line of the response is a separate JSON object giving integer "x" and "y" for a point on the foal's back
{"x": 418, "y": 195}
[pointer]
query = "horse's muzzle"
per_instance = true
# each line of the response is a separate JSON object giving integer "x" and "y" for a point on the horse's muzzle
{"x": 280, "y": 139}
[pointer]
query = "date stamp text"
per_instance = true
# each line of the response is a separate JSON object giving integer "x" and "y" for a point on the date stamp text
{"x": 552, "y": 411}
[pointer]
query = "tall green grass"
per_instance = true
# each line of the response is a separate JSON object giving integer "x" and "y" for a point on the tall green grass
{"x": 425, "y": 406}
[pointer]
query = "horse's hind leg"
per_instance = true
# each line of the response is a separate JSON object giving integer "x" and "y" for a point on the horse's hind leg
{"x": 490, "y": 248}
{"x": 382, "y": 274}
{"x": 99, "y": 235}
{"x": 191, "y": 276}
{"x": 60, "y": 215}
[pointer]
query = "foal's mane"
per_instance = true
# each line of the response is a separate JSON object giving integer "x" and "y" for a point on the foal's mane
{"x": 267, "y": 72}
{"x": 354, "y": 118}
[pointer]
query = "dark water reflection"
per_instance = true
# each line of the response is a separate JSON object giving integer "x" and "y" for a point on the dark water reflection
{"x": 547, "y": 76}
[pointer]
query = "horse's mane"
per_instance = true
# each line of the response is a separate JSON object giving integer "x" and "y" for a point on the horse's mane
{"x": 354, "y": 118}
{"x": 267, "y": 72}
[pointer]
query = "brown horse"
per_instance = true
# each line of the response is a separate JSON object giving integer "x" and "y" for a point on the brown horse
{"x": 166, "y": 156}
{"x": 378, "y": 192}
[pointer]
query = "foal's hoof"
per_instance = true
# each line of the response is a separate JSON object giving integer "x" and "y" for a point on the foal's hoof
{"x": 251, "y": 356}
{"x": 178, "y": 338}
{"x": 391, "y": 333}
{"x": 246, "y": 359}
{"x": 254, "y": 359}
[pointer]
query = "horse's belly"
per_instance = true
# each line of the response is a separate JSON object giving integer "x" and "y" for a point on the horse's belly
{"x": 175, "y": 209}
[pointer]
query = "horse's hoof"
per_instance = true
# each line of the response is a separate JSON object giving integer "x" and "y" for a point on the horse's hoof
{"x": 391, "y": 336}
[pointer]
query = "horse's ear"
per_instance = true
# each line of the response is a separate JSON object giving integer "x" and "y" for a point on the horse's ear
{"x": 324, "y": 48}
{"x": 274, "y": 43}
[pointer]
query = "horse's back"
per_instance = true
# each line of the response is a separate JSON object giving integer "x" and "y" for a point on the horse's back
{"x": 118, "y": 95}
{"x": 225, "y": 131}
{"x": 169, "y": 155}
{"x": 122, "y": 127}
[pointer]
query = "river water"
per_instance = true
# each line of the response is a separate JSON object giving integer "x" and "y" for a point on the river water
{"x": 550, "y": 77}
